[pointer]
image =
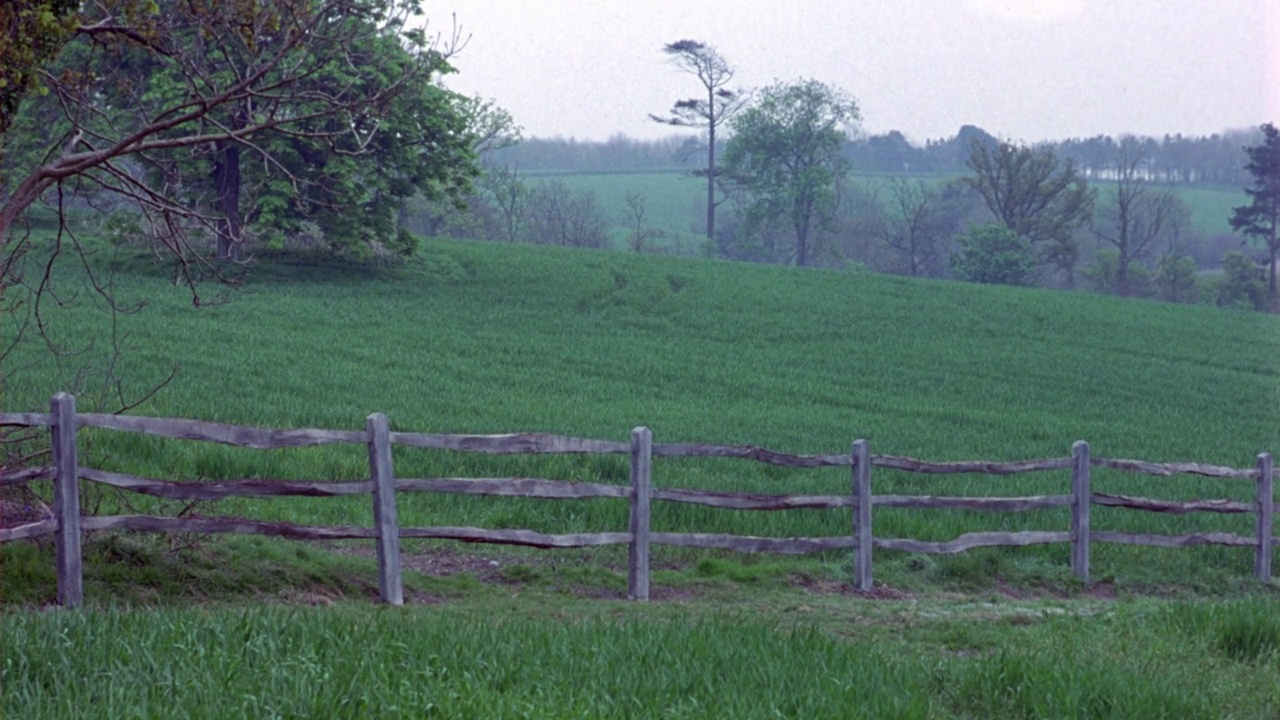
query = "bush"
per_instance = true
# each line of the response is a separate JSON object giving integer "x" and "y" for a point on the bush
{"x": 1241, "y": 286}
{"x": 995, "y": 255}
{"x": 1176, "y": 277}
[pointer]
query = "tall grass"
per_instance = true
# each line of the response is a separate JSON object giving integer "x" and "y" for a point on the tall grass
{"x": 490, "y": 339}
{"x": 510, "y": 660}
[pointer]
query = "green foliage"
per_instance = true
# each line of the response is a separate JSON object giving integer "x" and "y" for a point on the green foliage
{"x": 1242, "y": 286}
{"x": 34, "y": 32}
{"x": 1035, "y": 194}
{"x": 1175, "y": 278}
{"x": 785, "y": 159}
{"x": 270, "y": 122}
{"x": 1102, "y": 274}
{"x": 994, "y": 255}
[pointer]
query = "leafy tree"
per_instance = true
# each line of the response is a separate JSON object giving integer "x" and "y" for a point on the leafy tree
{"x": 490, "y": 127}
{"x": 170, "y": 104}
{"x": 1102, "y": 273}
{"x": 33, "y": 33}
{"x": 1260, "y": 219}
{"x": 1034, "y": 193}
{"x": 494, "y": 208}
{"x": 995, "y": 255}
{"x": 785, "y": 156}
{"x": 1136, "y": 216}
{"x": 721, "y": 103}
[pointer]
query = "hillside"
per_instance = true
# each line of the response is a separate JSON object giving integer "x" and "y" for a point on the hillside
{"x": 494, "y": 338}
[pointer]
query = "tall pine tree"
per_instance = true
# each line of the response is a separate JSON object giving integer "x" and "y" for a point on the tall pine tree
{"x": 1260, "y": 219}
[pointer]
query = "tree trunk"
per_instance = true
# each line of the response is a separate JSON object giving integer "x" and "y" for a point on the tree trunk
{"x": 802, "y": 218}
{"x": 226, "y": 177}
{"x": 1271, "y": 285}
{"x": 711, "y": 177}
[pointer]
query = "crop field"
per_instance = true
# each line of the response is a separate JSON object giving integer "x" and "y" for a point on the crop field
{"x": 481, "y": 338}
{"x": 674, "y": 201}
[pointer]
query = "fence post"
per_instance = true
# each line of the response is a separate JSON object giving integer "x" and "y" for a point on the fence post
{"x": 390, "y": 582}
{"x": 1081, "y": 501}
{"x": 66, "y": 500}
{"x": 641, "y": 496}
{"x": 860, "y": 454}
{"x": 1266, "y": 508}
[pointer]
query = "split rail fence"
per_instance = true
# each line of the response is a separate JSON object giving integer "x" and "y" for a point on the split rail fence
{"x": 67, "y": 523}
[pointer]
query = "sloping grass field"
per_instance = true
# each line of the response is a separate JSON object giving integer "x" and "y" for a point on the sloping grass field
{"x": 489, "y": 339}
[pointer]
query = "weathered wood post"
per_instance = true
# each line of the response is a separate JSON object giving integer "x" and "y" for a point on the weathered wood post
{"x": 860, "y": 455}
{"x": 66, "y": 500}
{"x": 1081, "y": 501}
{"x": 390, "y": 582}
{"x": 1266, "y": 508}
{"x": 641, "y": 497}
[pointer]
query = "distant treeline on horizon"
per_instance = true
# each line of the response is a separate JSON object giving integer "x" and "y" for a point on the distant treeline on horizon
{"x": 1217, "y": 159}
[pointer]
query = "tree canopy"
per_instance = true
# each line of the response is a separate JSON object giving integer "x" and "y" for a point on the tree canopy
{"x": 209, "y": 118}
{"x": 785, "y": 157}
{"x": 1034, "y": 193}
{"x": 34, "y": 32}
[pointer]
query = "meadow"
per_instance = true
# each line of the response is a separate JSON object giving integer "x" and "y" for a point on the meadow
{"x": 480, "y": 338}
{"x": 674, "y": 201}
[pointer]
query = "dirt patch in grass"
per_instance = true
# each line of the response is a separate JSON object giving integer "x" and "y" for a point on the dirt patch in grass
{"x": 1101, "y": 591}
{"x": 816, "y": 586}
{"x": 19, "y": 506}
{"x": 439, "y": 562}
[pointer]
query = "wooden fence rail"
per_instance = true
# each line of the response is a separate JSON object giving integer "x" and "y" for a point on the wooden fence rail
{"x": 67, "y": 524}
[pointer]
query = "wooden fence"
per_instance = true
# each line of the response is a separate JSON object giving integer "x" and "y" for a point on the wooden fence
{"x": 68, "y": 524}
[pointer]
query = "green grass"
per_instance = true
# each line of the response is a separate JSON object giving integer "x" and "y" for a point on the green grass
{"x": 1211, "y": 207}
{"x": 490, "y": 339}
{"x": 499, "y": 658}
{"x": 674, "y": 202}
{"x": 484, "y": 338}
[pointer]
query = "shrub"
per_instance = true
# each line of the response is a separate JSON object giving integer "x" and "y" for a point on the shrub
{"x": 995, "y": 255}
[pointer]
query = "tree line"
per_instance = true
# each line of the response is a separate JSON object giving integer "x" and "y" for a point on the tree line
{"x": 209, "y": 130}
{"x": 1216, "y": 160}
{"x": 1100, "y": 213}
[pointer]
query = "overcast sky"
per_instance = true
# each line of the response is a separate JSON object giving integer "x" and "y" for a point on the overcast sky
{"x": 1020, "y": 69}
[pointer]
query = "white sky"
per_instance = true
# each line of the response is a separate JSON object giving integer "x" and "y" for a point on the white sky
{"x": 1020, "y": 69}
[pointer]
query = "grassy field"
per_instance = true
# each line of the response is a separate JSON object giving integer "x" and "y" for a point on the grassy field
{"x": 676, "y": 201}
{"x": 487, "y": 338}
{"x": 490, "y": 339}
{"x": 499, "y": 659}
